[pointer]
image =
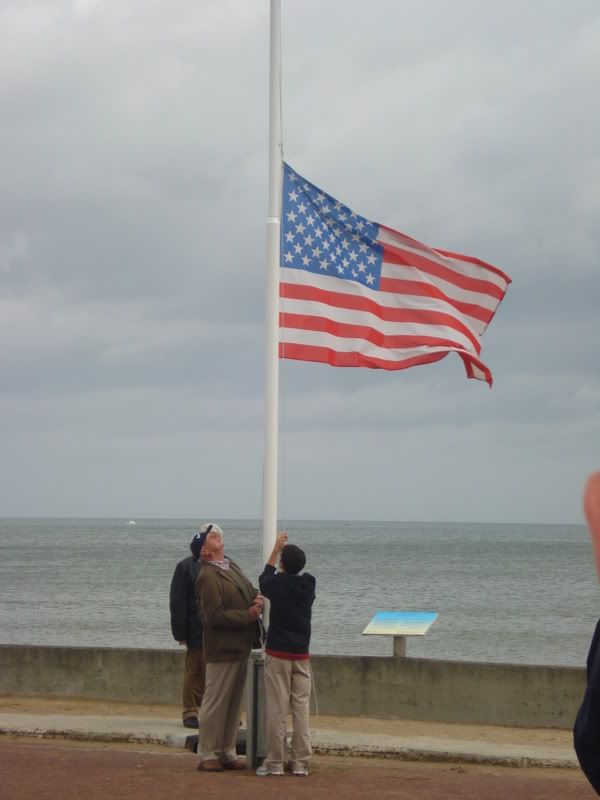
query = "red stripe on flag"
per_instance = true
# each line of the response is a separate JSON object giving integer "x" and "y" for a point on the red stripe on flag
{"x": 469, "y": 362}
{"x": 325, "y": 355}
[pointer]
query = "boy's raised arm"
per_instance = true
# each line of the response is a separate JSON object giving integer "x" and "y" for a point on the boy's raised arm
{"x": 280, "y": 543}
{"x": 269, "y": 571}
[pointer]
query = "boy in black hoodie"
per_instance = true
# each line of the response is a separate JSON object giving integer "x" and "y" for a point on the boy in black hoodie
{"x": 287, "y": 668}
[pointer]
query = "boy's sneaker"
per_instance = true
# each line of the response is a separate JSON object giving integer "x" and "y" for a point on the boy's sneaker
{"x": 301, "y": 772}
{"x": 264, "y": 769}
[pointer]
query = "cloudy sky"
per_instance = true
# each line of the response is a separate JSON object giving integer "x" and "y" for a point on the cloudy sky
{"x": 133, "y": 203}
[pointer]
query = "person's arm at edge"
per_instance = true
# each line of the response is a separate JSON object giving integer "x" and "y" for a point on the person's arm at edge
{"x": 586, "y": 732}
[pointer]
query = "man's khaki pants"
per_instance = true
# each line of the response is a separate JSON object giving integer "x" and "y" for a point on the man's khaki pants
{"x": 193, "y": 681}
{"x": 287, "y": 683}
{"x": 221, "y": 710}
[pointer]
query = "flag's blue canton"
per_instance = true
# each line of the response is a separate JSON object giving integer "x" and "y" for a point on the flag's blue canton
{"x": 321, "y": 235}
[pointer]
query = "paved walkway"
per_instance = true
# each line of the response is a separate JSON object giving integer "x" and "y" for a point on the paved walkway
{"x": 59, "y": 770}
{"x": 400, "y": 739}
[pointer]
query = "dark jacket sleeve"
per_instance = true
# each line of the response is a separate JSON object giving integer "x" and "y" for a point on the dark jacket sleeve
{"x": 266, "y": 581}
{"x": 586, "y": 733}
{"x": 178, "y": 604}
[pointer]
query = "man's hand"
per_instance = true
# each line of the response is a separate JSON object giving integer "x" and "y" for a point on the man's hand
{"x": 257, "y": 607}
{"x": 254, "y": 611}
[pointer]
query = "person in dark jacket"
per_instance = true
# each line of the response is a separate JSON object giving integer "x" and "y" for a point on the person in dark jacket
{"x": 187, "y": 630}
{"x": 586, "y": 732}
{"x": 287, "y": 666}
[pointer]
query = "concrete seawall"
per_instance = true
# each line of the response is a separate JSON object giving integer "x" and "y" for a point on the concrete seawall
{"x": 404, "y": 688}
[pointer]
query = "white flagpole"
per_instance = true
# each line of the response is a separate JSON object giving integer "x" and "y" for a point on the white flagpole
{"x": 269, "y": 504}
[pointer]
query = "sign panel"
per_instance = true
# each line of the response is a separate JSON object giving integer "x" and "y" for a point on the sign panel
{"x": 401, "y": 623}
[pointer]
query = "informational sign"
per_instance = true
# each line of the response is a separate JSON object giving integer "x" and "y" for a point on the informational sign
{"x": 401, "y": 623}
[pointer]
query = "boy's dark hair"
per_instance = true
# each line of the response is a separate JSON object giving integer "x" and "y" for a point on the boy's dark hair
{"x": 293, "y": 559}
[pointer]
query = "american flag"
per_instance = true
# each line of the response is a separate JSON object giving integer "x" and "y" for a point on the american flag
{"x": 358, "y": 294}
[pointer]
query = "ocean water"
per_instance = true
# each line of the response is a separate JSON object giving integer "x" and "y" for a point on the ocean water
{"x": 504, "y": 593}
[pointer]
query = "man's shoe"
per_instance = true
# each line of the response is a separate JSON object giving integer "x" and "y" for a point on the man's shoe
{"x": 210, "y": 765}
{"x": 266, "y": 770}
{"x": 237, "y": 764}
{"x": 301, "y": 772}
{"x": 190, "y": 722}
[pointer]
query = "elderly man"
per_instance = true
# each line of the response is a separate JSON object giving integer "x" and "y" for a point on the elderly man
{"x": 230, "y": 607}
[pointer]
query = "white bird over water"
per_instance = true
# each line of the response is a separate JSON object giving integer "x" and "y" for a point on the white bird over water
{"x": 131, "y": 522}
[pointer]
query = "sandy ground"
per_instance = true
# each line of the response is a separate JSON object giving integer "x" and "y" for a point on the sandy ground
{"x": 367, "y": 725}
{"x": 37, "y": 770}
